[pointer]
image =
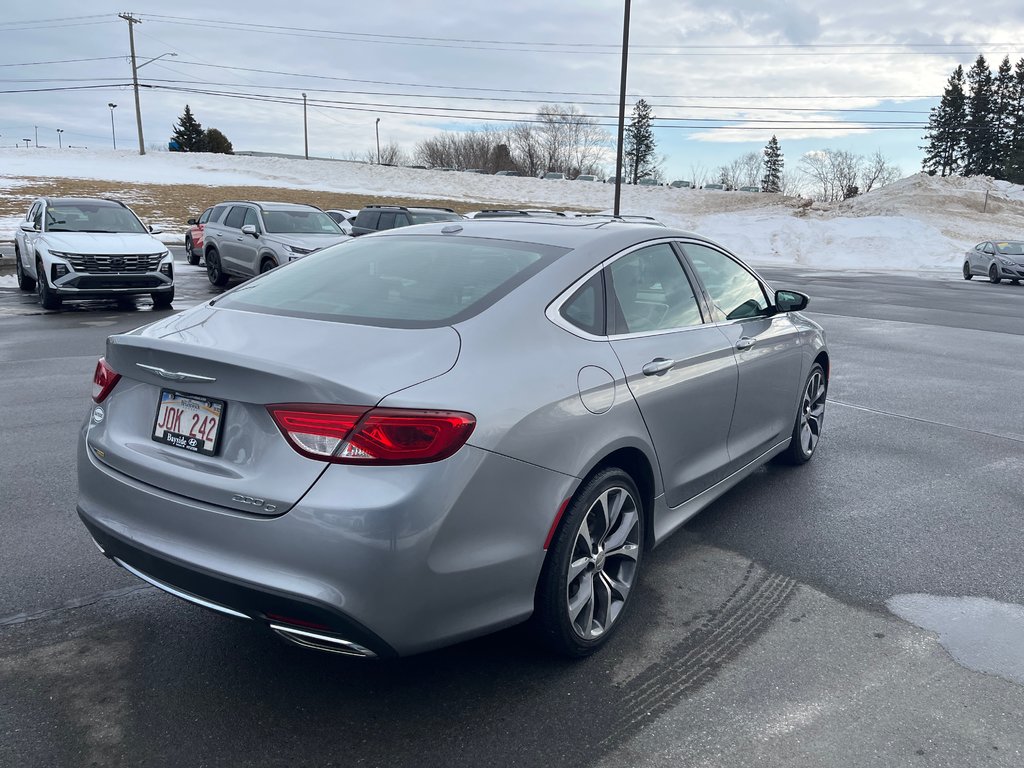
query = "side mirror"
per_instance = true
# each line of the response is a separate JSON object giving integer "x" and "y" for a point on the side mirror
{"x": 791, "y": 301}
{"x": 155, "y": 230}
{"x": 27, "y": 226}
{"x": 192, "y": 222}
{"x": 250, "y": 229}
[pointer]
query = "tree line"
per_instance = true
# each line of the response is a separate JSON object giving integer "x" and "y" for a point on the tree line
{"x": 978, "y": 126}
{"x": 188, "y": 136}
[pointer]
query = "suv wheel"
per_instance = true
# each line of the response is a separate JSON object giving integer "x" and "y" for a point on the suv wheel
{"x": 216, "y": 275}
{"x": 267, "y": 264}
{"x": 25, "y": 282}
{"x": 47, "y": 298}
{"x": 190, "y": 254}
{"x": 163, "y": 299}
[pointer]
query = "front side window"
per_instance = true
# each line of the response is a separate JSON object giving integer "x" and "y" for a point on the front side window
{"x": 387, "y": 221}
{"x": 250, "y": 219}
{"x": 735, "y": 293}
{"x": 428, "y": 217}
{"x": 417, "y": 281}
{"x": 36, "y": 215}
{"x": 206, "y": 216}
{"x": 651, "y": 292}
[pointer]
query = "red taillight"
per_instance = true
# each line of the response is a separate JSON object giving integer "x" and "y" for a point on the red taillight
{"x": 103, "y": 380}
{"x": 352, "y": 435}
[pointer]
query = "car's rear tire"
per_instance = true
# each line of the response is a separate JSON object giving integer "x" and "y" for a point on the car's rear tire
{"x": 216, "y": 275}
{"x": 993, "y": 274}
{"x": 25, "y": 282}
{"x": 190, "y": 254}
{"x": 810, "y": 419}
{"x": 267, "y": 264}
{"x": 967, "y": 271}
{"x": 47, "y": 298}
{"x": 162, "y": 300}
{"x": 593, "y": 565}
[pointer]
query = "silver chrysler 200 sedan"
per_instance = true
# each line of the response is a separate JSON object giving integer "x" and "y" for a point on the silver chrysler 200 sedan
{"x": 439, "y": 431}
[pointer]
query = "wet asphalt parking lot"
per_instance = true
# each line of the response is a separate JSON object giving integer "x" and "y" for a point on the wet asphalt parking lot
{"x": 767, "y": 632}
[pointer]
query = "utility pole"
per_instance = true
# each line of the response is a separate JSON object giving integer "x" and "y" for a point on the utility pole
{"x": 37, "y": 136}
{"x": 622, "y": 111}
{"x": 60, "y": 143}
{"x": 132, "y": 21}
{"x": 305, "y": 126}
{"x": 113, "y": 136}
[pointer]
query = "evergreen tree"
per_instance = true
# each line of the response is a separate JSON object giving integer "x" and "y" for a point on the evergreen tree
{"x": 773, "y": 164}
{"x": 1003, "y": 112}
{"x": 217, "y": 142}
{"x": 944, "y": 154}
{"x": 982, "y": 139}
{"x": 1014, "y": 167}
{"x": 189, "y": 134}
{"x": 641, "y": 160}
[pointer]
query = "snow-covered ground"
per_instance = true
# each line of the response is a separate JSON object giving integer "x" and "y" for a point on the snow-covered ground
{"x": 920, "y": 222}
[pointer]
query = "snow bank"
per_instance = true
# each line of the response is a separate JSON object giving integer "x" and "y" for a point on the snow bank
{"x": 921, "y": 222}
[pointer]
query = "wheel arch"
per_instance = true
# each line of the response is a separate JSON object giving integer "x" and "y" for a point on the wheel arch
{"x": 638, "y": 465}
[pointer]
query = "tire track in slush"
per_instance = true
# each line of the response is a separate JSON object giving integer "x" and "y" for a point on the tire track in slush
{"x": 698, "y": 657}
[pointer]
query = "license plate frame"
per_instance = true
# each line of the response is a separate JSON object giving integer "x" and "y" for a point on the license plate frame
{"x": 189, "y": 405}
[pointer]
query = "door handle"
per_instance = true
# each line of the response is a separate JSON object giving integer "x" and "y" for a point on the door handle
{"x": 658, "y": 366}
{"x": 745, "y": 343}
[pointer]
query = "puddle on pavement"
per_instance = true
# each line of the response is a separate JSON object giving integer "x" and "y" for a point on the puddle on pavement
{"x": 981, "y": 634}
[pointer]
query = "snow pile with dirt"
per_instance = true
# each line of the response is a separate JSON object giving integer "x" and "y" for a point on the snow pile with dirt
{"x": 919, "y": 222}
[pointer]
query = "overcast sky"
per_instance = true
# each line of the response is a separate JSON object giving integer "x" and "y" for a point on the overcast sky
{"x": 711, "y": 63}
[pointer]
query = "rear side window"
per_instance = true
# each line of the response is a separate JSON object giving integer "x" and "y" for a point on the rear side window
{"x": 418, "y": 281}
{"x": 236, "y": 217}
{"x": 387, "y": 221}
{"x": 585, "y": 308}
{"x": 367, "y": 219}
{"x": 217, "y": 211}
{"x": 651, "y": 292}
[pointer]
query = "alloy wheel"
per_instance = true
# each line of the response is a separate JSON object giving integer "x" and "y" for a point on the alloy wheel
{"x": 812, "y": 412}
{"x": 603, "y": 564}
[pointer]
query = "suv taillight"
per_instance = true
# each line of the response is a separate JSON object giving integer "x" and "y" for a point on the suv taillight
{"x": 352, "y": 435}
{"x": 103, "y": 380}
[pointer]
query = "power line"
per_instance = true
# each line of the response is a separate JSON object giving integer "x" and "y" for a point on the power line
{"x": 62, "y": 18}
{"x": 492, "y": 99}
{"x": 61, "y": 61}
{"x": 543, "y": 93}
{"x": 57, "y": 26}
{"x": 112, "y": 86}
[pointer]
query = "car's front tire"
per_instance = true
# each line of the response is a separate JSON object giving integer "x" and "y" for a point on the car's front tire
{"x": 47, "y": 298}
{"x": 967, "y": 271}
{"x": 593, "y": 565}
{"x": 810, "y": 419}
{"x": 162, "y": 300}
{"x": 214, "y": 273}
{"x": 993, "y": 274}
{"x": 25, "y": 282}
{"x": 267, "y": 264}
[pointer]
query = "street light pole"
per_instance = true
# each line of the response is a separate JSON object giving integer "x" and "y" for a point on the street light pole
{"x": 376, "y": 128}
{"x": 622, "y": 111}
{"x": 37, "y": 136}
{"x": 305, "y": 126}
{"x": 113, "y": 136}
{"x": 60, "y": 144}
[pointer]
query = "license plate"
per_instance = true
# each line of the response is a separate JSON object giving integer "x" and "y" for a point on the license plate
{"x": 189, "y": 422}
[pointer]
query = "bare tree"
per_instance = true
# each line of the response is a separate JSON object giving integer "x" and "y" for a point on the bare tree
{"x": 698, "y": 175}
{"x": 390, "y": 154}
{"x": 877, "y": 172}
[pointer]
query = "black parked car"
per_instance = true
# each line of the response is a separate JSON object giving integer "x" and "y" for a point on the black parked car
{"x": 374, "y": 218}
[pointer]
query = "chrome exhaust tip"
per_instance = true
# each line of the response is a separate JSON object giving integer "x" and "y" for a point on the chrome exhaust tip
{"x": 320, "y": 642}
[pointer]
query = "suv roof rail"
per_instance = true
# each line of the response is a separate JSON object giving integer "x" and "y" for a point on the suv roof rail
{"x": 407, "y": 208}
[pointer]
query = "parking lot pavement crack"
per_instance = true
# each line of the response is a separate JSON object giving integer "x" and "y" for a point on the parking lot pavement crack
{"x": 73, "y": 604}
{"x": 879, "y": 412}
{"x": 745, "y": 615}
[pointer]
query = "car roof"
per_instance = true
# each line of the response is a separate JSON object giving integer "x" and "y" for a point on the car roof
{"x": 99, "y": 201}
{"x": 558, "y": 232}
{"x": 270, "y": 205}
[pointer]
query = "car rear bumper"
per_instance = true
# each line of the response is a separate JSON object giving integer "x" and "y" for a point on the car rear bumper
{"x": 396, "y": 560}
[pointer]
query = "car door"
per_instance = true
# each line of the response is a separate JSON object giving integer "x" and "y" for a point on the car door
{"x": 230, "y": 241}
{"x": 249, "y": 245}
{"x": 680, "y": 369}
{"x": 36, "y": 217}
{"x": 768, "y": 350}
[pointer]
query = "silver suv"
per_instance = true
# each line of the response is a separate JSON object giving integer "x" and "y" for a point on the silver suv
{"x": 244, "y": 239}
{"x": 89, "y": 248}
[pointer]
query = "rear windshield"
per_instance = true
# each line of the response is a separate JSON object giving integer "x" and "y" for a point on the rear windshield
{"x": 399, "y": 281}
{"x": 300, "y": 222}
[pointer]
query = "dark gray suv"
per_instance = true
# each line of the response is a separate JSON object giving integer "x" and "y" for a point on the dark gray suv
{"x": 244, "y": 239}
{"x": 375, "y": 218}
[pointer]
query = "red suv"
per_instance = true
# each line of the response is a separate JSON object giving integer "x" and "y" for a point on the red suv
{"x": 194, "y": 237}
